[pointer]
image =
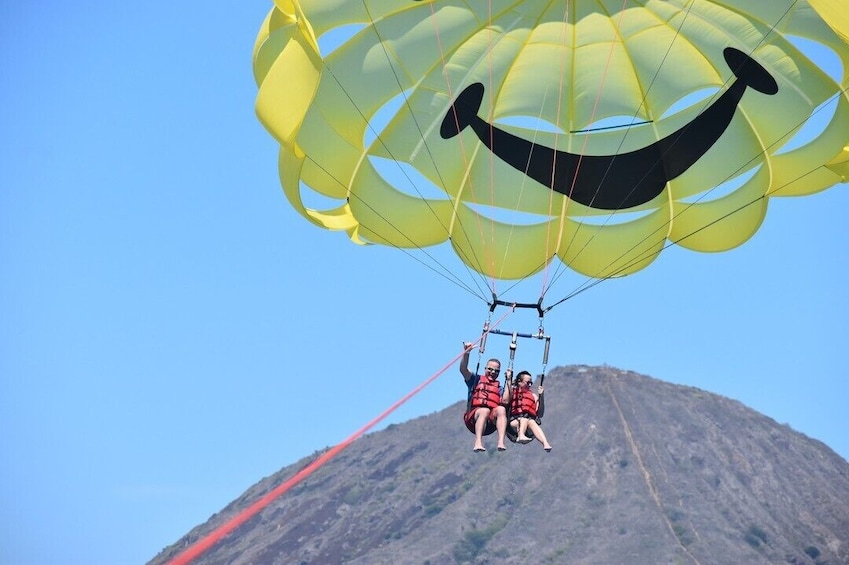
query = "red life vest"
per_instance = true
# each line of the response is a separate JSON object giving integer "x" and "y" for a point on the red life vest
{"x": 524, "y": 402}
{"x": 486, "y": 394}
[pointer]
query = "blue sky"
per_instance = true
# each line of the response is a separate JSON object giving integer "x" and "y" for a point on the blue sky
{"x": 172, "y": 331}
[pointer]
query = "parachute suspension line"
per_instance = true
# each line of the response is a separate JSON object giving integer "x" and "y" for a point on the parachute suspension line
{"x": 218, "y": 533}
{"x": 472, "y": 274}
{"x": 706, "y": 103}
{"x": 450, "y": 276}
{"x": 403, "y": 94}
{"x": 595, "y": 281}
{"x": 450, "y": 91}
{"x": 719, "y": 219}
{"x": 489, "y": 258}
{"x": 447, "y": 274}
{"x": 525, "y": 179}
{"x": 598, "y": 96}
{"x": 490, "y": 262}
{"x": 546, "y": 285}
{"x": 514, "y": 335}
{"x": 488, "y": 329}
{"x": 561, "y": 269}
{"x": 543, "y": 265}
{"x": 591, "y": 283}
{"x": 625, "y": 127}
{"x": 551, "y": 253}
{"x": 473, "y": 259}
{"x": 490, "y": 90}
{"x": 588, "y": 285}
{"x": 583, "y": 149}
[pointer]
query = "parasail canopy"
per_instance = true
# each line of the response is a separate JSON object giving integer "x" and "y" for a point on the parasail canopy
{"x": 593, "y": 133}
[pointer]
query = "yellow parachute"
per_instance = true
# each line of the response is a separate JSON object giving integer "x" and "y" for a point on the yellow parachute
{"x": 596, "y": 132}
{"x": 835, "y": 13}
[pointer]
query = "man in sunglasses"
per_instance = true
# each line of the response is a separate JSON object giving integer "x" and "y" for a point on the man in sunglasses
{"x": 486, "y": 406}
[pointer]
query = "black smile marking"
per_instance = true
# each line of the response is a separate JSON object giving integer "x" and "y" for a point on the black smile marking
{"x": 606, "y": 182}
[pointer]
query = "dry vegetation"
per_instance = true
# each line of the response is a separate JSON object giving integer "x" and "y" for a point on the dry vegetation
{"x": 642, "y": 471}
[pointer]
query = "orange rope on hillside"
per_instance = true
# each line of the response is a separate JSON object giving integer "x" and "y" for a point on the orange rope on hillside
{"x": 213, "y": 537}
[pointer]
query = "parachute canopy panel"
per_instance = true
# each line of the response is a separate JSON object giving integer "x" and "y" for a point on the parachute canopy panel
{"x": 574, "y": 112}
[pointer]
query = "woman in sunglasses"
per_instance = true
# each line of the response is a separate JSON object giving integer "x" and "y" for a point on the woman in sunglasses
{"x": 525, "y": 411}
{"x": 486, "y": 410}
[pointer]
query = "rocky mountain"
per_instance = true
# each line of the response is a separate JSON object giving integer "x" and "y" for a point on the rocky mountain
{"x": 642, "y": 472}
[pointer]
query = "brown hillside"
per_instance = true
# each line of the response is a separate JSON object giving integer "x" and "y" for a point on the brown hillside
{"x": 642, "y": 472}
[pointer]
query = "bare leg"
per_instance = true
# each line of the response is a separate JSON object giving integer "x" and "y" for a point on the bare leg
{"x": 539, "y": 434}
{"x": 501, "y": 426}
{"x": 481, "y": 416}
{"x": 523, "y": 430}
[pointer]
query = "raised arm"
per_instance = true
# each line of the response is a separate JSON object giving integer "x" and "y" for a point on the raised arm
{"x": 507, "y": 395}
{"x": 464, "y": 362}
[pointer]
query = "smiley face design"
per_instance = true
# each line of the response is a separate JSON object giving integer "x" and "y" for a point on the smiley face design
{"x": 619, "y": 181}
{"x": 414, "y": 123}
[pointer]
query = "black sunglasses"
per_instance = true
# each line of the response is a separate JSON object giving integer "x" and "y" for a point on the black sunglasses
{"x": 493, "y": 370}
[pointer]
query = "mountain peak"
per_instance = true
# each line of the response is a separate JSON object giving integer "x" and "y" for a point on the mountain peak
{"x": 641, "y": 471}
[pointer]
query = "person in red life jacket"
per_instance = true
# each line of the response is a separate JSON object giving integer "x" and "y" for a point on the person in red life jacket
{"x": 525, "y": 411}
{"x": 486, "y": 410}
